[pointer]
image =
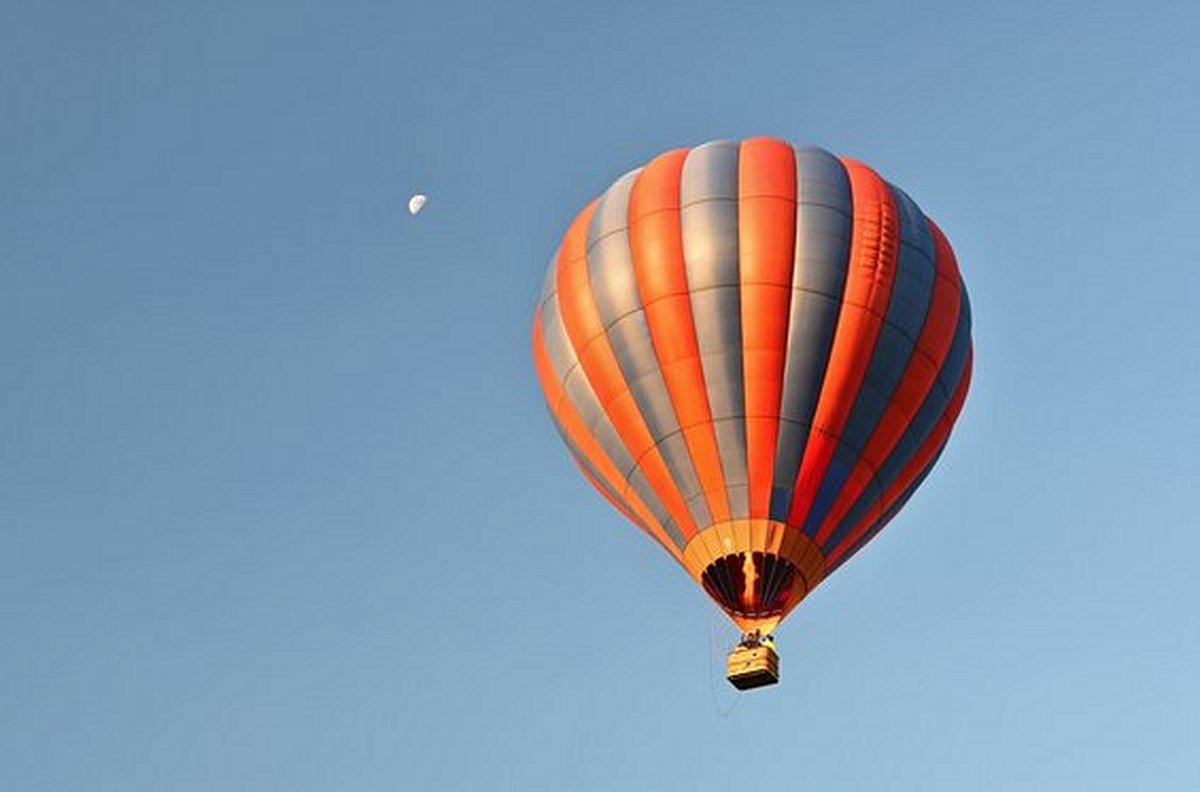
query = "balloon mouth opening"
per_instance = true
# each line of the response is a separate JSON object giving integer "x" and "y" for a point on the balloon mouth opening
{"x": 754, "y": 585}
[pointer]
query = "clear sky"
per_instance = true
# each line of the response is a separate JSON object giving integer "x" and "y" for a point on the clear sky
{"x": 281, "y": 507}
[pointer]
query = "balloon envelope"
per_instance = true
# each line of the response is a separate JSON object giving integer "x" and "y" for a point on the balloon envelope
{"x": 756, "y": 352}
{"x": 416, "y": 203}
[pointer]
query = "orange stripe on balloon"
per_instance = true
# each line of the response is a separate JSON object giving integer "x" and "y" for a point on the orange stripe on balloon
{"x": 571, "y": 422}
{"x": 933, "y": 344}
{"x": 920, "y": 460}
{"x": 585, "y": 330}
{"x": 656, "y": 243}
{"x": 874, "y": 247}
{"x": 766, "y": 245}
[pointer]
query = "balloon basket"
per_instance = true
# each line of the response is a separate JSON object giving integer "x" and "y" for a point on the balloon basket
{"x": 751, "y": 665}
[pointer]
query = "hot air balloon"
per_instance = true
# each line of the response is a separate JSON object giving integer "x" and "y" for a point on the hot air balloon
{"x": 756, "y": 352}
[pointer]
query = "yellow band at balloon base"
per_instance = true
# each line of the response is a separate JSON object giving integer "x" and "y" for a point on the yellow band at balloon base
{"x": 744, "y": 546}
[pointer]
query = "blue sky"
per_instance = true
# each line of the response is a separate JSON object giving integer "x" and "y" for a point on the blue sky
{"x": 281, "y": 508}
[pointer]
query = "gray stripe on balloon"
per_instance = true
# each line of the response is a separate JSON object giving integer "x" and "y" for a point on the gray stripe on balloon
{"x": 614, "y": 287}
{"x": 709, "y": 220}
{"x": 824, "y": 217}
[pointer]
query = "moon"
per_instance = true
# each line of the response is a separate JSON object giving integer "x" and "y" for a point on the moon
{"x": 416, "y": 203}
